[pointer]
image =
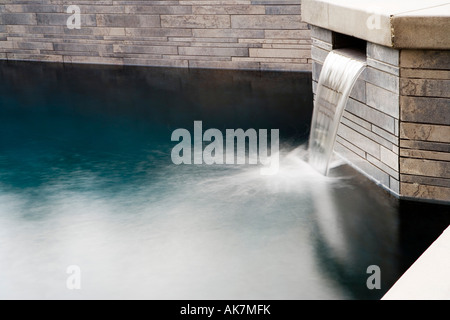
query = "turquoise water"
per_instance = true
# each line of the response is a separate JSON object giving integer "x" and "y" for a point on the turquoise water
{"x": 86, "y": 179}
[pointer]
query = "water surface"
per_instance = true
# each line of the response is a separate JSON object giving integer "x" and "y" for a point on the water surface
{"x": 86, "y": 179}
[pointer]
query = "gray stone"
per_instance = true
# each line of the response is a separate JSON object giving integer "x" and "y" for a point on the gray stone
{"x": 383, "y": 100}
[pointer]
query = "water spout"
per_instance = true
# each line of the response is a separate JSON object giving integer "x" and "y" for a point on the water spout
{"x": 339, "y": 73}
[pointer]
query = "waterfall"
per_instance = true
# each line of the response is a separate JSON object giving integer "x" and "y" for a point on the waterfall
{"x": 339, "y": 73}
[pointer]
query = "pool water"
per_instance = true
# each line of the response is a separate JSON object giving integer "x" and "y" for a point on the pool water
{"x": 87, "y": 180}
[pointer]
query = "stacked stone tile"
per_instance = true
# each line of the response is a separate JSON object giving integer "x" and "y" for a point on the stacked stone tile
{"x": 396, "y": 126}
{"x": 237, "y": 34}
{"x": 425, "y": 123}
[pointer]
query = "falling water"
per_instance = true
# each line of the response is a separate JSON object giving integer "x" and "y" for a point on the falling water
{"x": 339, "y": 74}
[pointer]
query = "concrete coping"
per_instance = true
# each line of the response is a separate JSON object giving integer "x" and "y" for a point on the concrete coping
{"x": 428, "y": 278}
{"x": 401, "y": 24}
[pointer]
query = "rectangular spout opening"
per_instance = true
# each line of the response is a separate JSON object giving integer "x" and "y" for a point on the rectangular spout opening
{"x": 343, "y": 41}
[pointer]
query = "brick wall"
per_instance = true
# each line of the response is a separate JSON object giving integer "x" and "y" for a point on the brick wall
{"x": 237, "y": 34}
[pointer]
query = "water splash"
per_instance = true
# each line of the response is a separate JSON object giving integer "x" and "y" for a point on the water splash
{"x": 340, "y": 71}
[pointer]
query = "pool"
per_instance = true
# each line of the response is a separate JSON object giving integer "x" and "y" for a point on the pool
{"x": 87, "y": 180}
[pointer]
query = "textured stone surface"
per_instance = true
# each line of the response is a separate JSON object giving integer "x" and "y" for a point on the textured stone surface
{"x": 197, "y": 34}
{"x": 425, "y": 124}
{"x": 396, "y": 126}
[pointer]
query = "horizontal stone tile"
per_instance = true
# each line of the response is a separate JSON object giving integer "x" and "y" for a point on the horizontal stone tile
{"x": 319, "y": 54}
{"x": 321, "y": 44}
{"x": 128, "y": 20}
{"x": 6, "y": 45}
{"x": 424, "y": 154}
{"x": 157, "y": 9}
{"x": 371, "y": 115}
{"x": 235, "y": 52}
{"x": 192, "y": 57}
{"x": 424, "y": 167}
{"x": 33, "y": 45}
{"x": 18, "y": 19}
{"x": 72, "y": 53}
{"x": 291, "y": 67}
{"x": 425, "y": 145}
{"x": 389, "y": 158}
{"x": 145, "y": 49}
{"x": 93, "y": 8}
{"x": 383, "y": 54}
{"x": 425, "y": 110}
{"x": 270, "y": 41}
{"x": 368, "y": 133}
{"x": 267, "y": 22}
{"x": 359, "y": 91}
{"x": 228, "y": 9}
{"x": 60, "y": 19}
{"x": 383, "y": 100}
{"x": 419, "y": 191}
{"x": 80, "y": 47}
{"x": 233, "y": 33}
{"x": 279, "y": 53}
{"x": 382, "y": 79}
{"x": 286, "y": 46}
{"x": 243, "y": 65}
{"x": 283, "y": 9}
{"x": 31, "y": 8}
{"x": 351, "y": 147}
{"x": 426, "y": 59}
{"x": 221, "y": 44}
{"x": 155, "y": 62}
{"x": 34, "y": 57}
{"x": 288, "y": 34}
{"x": 279, "y": 2}
{"x": 158, "y": 32}
{"x": 322, "y": 34}
{"x": 394, "y": 185}
{"x": 195, "y": 21}
{"x": 359, "y": 140}
{"x": 432, "y": 181}
{"x": 425, "y": 74}
{"x": 93, "y": 60}
{"x": 391, "y": 137}
{"x": 270, "y": 60}
{"x": 384, "y": 167}
{"x": 383, "y": 66}
{"x": 359, "y": 121}
{"x": 425, "y": 87}
{"x": 425, "y": 132}
{"x": 203, "y": 40}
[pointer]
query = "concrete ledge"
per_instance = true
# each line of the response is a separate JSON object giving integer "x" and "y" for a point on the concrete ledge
{"x": 428, "y": 278}
{"x": 412, "y": 24}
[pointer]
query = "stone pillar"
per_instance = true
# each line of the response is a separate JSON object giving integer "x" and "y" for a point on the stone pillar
{"x": 396, "y": 126}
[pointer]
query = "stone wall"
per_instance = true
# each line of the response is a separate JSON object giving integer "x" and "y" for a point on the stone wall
{"x": 425, "y": 124}
{"x": 396, "y": 126}
{"x": 237, "y": 34}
